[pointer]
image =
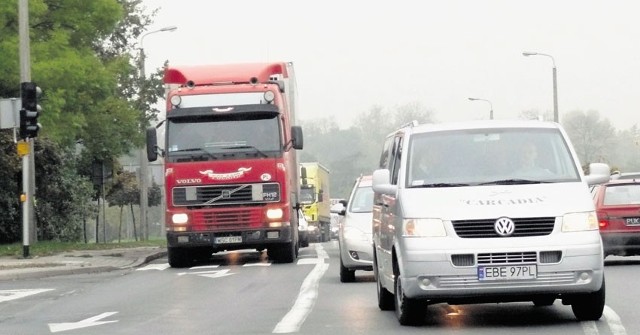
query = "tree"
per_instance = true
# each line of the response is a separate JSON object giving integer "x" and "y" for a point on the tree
{"x": 123, "y": 192}
{"x": 81, "y": 56}
{"x": 592, "y": 137}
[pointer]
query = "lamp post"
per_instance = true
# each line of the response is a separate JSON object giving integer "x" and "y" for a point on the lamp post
{"x": 490, "y": 106}
{"x": 144, "y": 163}
{"x": 555, "y": 83}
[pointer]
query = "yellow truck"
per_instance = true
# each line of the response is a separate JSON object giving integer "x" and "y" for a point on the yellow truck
{"x": 315, "y": 200}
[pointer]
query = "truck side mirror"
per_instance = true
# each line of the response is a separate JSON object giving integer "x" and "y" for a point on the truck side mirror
{"x": 296, "y": 137}
{"x": 152, "y": 144}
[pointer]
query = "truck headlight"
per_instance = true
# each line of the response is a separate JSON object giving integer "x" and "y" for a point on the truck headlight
{"x": 423, "y": 228}
{"x": 274, "y": 213}
{"x": 579, "y": 221}
{"x": 180, "y": 218}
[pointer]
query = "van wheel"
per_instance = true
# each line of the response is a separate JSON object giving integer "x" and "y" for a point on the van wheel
{"x": 346, "y": 275}
{"x": 410, "y": 312}
{"x": 589, "y": 307}
{"x": 385, "y": 298}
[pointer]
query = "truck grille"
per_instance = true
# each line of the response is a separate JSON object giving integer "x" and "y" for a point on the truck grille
{"x": 228, "y": 219}
{"x": 485, "y": 227}
{"x": 216, "y": 195}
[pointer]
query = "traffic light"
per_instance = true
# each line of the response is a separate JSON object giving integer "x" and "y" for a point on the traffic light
{"x": 29, "y": 92}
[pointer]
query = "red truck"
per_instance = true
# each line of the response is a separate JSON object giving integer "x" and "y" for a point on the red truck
{"x": 230, "y": 165}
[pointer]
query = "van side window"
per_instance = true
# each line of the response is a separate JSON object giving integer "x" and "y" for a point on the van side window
{"x": 395, "y": 160}
{"x": 384, "y": 158}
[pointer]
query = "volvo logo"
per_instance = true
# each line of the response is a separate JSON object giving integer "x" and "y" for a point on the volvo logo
{"x": 504, "y": 226}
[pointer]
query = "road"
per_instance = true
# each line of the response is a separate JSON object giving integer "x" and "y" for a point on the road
{"x": 243, "y": 293}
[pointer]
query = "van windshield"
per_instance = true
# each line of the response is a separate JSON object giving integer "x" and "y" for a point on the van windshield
{"x": 489, "y": 156}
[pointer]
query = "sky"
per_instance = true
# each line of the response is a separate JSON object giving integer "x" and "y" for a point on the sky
{"x": 350, "y": 56}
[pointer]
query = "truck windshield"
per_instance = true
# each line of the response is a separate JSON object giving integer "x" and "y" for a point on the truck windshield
{"x": 307, "y": 195}
{"x": 489, "y": 157}
{"x": 234, "y": 136}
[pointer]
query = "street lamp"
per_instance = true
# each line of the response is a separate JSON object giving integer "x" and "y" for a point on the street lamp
{"x": 144, "y": 163}
{"x": 555, "y": 83}
{"x": 490, "y": 106}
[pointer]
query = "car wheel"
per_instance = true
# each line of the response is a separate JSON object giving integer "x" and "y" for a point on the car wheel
{"x": 385, "y": 298}
{"x": 410, "y": 312}
{"x": 346, "y": 275}
{"x": 589, "y": 307}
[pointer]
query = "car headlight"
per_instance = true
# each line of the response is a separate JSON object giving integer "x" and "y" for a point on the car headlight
{"x": 351, "y": 233}
{"x": 423, "y": 228}
{"x": 579, "y": 221}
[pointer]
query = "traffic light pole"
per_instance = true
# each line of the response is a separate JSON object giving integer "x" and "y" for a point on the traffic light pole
{"x": 25, "y": 76}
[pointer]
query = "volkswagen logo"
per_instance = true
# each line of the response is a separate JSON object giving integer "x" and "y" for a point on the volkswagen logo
{"x": 504, "y": 226}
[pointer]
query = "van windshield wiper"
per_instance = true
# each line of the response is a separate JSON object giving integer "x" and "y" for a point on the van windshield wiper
{"x": 247, "y": 147}
{"x": 440, "y": 185}
{"x": 514, "y": 181}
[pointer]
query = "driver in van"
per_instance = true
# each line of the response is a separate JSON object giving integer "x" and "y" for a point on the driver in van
{"x": 428, "y": 164}
{"x": 529, "y": 161}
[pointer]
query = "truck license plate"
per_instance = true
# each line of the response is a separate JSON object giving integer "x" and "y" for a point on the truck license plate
{"x": 507, "y": 272}
{"x": 228, "y": 239}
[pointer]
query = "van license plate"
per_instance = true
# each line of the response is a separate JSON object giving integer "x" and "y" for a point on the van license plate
{"x": 507, "y": 272}
{"x": 228, "y": 239}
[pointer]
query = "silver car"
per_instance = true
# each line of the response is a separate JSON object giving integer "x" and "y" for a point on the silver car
{"x": 354, "y": 235}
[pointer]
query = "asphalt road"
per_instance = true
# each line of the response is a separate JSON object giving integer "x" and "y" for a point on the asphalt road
{"x": 243, "y": 293}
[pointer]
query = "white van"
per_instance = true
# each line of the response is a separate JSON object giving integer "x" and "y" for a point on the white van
{"x": 485, "y": 211}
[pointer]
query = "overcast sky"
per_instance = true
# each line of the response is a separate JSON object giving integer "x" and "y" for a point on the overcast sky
{"x": 352, "y": 55}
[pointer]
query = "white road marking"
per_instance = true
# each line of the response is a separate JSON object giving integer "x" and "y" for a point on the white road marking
{"x": 215, "y": 274}
{"x": 612, "y": 319}
{"x": 158, "y": 267}
{"x": 614, "y": 322}
{"x": 6, "y": 295}
{"x": 291, "y": 322}
{"x": 204, "y": 267}
{"x": 589, "y": 328}
{"x": 306, "y": 261}
{"x": 256, "y": 264}
{"x": 89, "y": 322}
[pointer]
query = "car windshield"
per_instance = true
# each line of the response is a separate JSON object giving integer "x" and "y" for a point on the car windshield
{"x": 622, "y": 195}
{"x": 489, "y": 157}
{"x": 362, "y": 201}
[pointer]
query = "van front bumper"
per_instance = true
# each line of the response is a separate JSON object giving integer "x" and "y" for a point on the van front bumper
{"x": 432, "y": 273}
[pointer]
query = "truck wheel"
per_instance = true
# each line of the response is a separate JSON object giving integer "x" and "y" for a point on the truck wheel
{"x": 285, "y": 253}
{"x": 589, "y": 307}
{"x": 409, "y": 311}
{"x": 346, "y": 275}
{"x": 178, "y": 257}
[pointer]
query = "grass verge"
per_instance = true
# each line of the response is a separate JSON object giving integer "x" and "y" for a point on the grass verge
{"x": 47, "y": 248}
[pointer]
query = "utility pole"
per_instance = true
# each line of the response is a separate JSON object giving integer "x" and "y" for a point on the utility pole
{"x": 27, "y": 159}
{"x": 144, "y": 163}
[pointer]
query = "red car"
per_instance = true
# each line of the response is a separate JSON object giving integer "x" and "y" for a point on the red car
{"x": 618, "y": 207}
